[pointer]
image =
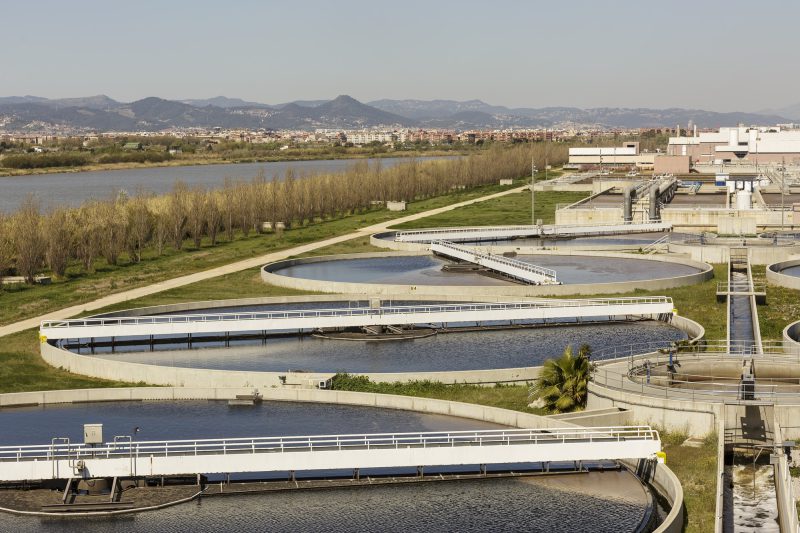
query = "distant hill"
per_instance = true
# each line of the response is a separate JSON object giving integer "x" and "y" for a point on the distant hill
{"x": 223, "y": 102}
{"x": 790, "y": 111}
{"x": 101, "y": 113}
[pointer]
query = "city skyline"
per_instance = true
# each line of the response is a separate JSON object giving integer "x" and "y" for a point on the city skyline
{"x": 703, "y": 56}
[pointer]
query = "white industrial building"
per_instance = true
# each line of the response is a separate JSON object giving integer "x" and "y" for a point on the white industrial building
{"x": 739, "y": 144}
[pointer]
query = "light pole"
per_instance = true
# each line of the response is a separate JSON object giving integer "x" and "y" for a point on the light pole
{"x": 783, "y": 180}
{"x": 533, "y": 191}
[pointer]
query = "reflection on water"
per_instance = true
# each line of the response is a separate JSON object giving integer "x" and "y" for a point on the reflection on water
{"x": 72, "y": 188}
{"x": 427, "y": 270}
{"x": 452, "y": 351}
{"x": 792, "y": 271}
{"x": 607, "y": 502}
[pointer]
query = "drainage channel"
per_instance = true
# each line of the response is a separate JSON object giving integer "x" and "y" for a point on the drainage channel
{"x": 749, "y": 502}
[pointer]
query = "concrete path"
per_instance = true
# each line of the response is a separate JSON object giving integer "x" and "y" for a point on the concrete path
{"x": 233, "y": 267}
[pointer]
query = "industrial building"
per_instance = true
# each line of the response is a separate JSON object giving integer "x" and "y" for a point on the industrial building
{"x": 754, "y": 145}
{"x": 627, "y": 156}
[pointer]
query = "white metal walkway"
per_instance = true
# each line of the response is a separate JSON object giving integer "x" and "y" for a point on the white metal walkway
{"x": 540, "y": 309}
{"x": 491, "y": 233}
{"x": 519, "y": 270}
{"x": 62, "y": 460}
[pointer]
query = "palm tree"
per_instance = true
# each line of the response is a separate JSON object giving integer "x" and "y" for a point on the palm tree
{"x": 563, "y": 383}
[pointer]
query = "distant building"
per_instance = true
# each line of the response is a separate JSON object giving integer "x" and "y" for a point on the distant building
{"x": 132, "y": 146}
{"x": 627, "y": 155}
{"x": 739, "y": 144}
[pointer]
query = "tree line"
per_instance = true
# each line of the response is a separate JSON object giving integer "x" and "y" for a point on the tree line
{"x": 123, "y": 227}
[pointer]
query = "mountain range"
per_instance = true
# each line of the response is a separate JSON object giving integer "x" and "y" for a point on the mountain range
{"x": 101, "y": 113}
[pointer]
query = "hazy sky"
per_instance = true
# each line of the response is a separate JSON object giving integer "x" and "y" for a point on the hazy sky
{"x": 716, "y": 55}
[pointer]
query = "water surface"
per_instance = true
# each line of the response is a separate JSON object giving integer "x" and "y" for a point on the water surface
{"x": 427, "y": 270}
{"x": 478, "y": 350}
{"x": 608, "y": 502}
{"x": 73, "y": 188}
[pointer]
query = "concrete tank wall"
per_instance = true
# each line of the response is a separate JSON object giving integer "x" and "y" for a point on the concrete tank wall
{"x": 775, "y": 277}
{"x": 514, "y": 291}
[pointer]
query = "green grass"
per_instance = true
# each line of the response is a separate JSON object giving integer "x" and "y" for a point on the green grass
{"x": 514, "y": 397}
{"x": 510, "y": 209}
{"x": 353, "y": 246}
{"x": 782, "y": 307}
{"x": 697, "y": 302}
{"x": 21, "y": 368}
{"x": 244, "y": 284}
{"x": 696, "y": 468}
{"x": 18, "y": 302}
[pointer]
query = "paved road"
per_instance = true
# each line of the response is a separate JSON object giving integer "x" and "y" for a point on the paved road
{"x": 232, "y": 267}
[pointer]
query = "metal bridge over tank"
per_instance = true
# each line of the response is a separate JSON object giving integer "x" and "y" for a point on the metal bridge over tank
{"x": 497, "y": 233}
{"x": 123, "y": 458}
{"x": 296, "y": 320}
{"x": 512, "y": 268}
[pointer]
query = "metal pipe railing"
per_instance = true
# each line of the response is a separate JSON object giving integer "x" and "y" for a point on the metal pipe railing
{"x": 353, "y": 311}
{"x": 315, "y": 443}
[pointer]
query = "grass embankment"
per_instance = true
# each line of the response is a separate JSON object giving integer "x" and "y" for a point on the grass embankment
{"x": 515, "y": 209}
{"x": 20, "y": 301}
{"x": 21, "y": 368}
{"x": 514, "y": 397}
{"x": 782, "y": 307}
{"x": 696, "y": 302}
{"x": 696, "y": 469}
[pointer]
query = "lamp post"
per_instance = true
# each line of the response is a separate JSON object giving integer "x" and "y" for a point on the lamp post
{"x": 783, "y": 180}
{"x": 533, "y": 192}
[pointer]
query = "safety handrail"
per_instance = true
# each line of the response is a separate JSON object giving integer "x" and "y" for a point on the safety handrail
{"x": 351, "y": 311}
{"x": 521, "y": 265}
{"x": 326, "y": 442}
{"x": 526, "y": 229}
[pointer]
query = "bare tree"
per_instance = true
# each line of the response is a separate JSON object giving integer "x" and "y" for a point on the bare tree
{"x": 196, "y": 214}
{"x": 59, "y": 235}
{"x": 177, "y": 207}
{"x": 6, "y": 247}
{"x": 213, "y": 216}
{"x": 28, "y": 238}
{"x": 87, "y": 235}
{"x": 112, "y": 230}
{"x": 140, "y": 225}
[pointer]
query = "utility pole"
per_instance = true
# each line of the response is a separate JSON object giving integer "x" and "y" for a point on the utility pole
{"x": 783, "y": 180}
{"x": 546, "y": 144}
{"x": 533, "y": 191}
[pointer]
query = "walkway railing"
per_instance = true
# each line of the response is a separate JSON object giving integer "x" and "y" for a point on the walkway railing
{"x": 516, "y": 269}
{"x": 506, "y": 232}
{"x": 352, "y": 312}
{"x": 322, "y": 443}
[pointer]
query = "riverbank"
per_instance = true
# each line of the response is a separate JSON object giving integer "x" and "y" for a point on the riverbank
{"x": 205, "y": 161}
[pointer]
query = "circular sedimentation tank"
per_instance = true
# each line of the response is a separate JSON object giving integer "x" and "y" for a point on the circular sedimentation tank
{"x": 615, "y": 500}
{"x": 423, "y": 273}
{"x": 473, "y": 349}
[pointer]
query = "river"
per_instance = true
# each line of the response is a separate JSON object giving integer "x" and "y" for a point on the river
{"x": 73, "y": 188}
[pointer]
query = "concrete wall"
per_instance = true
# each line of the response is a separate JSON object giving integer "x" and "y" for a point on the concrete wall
{"x": 514, "y": 291}
{"x": 669, "y": 486}
{"x": 495, "y": 415}
{"x": 208, "y": 378}
{"x": 775, "y": 277}
{"x": 791, "y": 338}
{"x": 710, "y": 253}
{"x": 694, "y": 417}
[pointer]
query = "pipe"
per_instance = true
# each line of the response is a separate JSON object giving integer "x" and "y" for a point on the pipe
{"x": 655, "y": 211}
{"x": 628, "y": 195}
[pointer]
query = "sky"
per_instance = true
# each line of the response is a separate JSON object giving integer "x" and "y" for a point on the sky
{"x": 715, "y": 55}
